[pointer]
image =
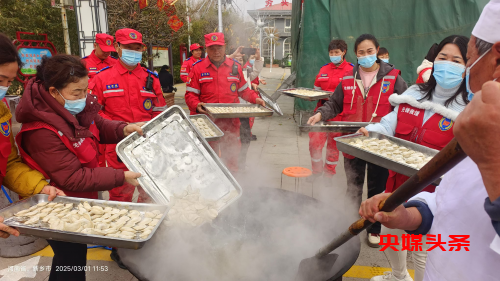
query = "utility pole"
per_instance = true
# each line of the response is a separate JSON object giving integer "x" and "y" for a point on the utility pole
{"x": 220, "y": 16}
{"x": 189, "y": 23}
{"x": 65, "y": 28}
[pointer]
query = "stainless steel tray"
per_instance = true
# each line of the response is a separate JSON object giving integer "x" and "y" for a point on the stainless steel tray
{"x": 174, "y": 156}
{"x": 269, "y": 101}
{"x": 321, "y": 94}
{"x": 238, "y": 115}
{"x": 8, "y": 214}
{"x": 211, "y": 125}
{"x": 343, "y": 144}
{"x": 334, "y": 126}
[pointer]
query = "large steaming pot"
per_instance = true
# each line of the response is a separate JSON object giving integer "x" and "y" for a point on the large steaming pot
{"x": 263, "y": 236}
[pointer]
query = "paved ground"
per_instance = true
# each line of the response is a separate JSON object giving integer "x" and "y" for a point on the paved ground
{"x": 278, "y": 146}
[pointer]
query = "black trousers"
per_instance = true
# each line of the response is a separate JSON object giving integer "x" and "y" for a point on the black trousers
{"x": 69, "y": 261}
{"x": 376, "y": 182}
{"x": 245, "y": 138}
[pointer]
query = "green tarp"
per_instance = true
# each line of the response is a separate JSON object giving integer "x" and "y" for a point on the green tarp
{"x": 406, "y": 28}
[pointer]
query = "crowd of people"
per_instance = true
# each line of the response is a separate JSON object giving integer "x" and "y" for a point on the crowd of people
{"x": 81, "y": 108}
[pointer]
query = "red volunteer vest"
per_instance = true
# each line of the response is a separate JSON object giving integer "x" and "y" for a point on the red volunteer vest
{"x": 436, "y": 133}
{"x": 358, "y": 109}
{"x": 85, "y": 149}
{"x": 5, "y": 145}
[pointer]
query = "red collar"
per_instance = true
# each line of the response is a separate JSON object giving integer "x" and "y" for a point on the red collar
{"x": 342, "y": 65}
{"x": 207, "y": 63}
{"x": 122, "y": 70}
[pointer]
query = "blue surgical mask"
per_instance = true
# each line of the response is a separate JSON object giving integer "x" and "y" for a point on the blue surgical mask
{"x": 131, "y": 58}
{"x": 252, "y": 62}
{"x": 385, "y": 60}
{"x": 74, "y": 106}
{"x": 448, "y": 74}
{"x": 336, "y": 59}
{"x": 3, "y": 92}
{"x": 367, "y": 61}
{"x": 467, "y": 77}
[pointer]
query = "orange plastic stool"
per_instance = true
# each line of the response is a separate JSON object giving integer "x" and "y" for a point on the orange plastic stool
{"x": 297, "y": 173}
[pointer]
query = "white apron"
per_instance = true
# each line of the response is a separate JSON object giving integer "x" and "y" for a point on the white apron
{"x": 459, "y": 211}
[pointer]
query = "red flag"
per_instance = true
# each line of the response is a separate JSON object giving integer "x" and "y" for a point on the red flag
{"x": 175, "y": 23}
{"x": 143, "y": 4}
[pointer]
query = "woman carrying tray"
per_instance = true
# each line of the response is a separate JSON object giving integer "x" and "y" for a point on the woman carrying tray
{"x": 363, "y": 96}
{"x": 424, "y": 114}
{"x": 328, "y": 79}
{"x": 14, "y": 174}
{"x": 60, "y": 135}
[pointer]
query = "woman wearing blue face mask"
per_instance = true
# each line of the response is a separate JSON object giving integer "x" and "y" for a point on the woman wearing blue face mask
{"x": 363, "y": 96}
{"x": 328, "y": 79}
{"x": 60, "y": 136}
{"x": 383, "y": 54}
{"x": 425, "y": 114}
{"x": 14, "y": 174}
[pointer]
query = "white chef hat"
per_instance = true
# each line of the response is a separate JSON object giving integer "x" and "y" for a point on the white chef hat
{"x": 488, "y": 26}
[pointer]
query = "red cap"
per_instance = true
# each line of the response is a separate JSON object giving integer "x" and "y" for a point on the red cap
{"x": 105, "y": 42}
{"x": 128, "y": 36}
{"x": 214, "y": 39}
{"x": 195, "y": 46}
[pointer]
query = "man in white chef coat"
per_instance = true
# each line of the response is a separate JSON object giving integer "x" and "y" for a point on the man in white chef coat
{"x": 466, "y": 205}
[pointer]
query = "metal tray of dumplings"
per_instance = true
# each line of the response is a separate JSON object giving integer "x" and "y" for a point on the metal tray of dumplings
{"x": 321, "y": 94}
{"x": 38, "y": 231}
{"x": 343, "y": 144}
{"x": 334, "y": 127}
{"x": 268, "y": 112}
{"x": 218, "y": 133}
{"x": 269, "y": 101}
{"x": 175, "y": 156}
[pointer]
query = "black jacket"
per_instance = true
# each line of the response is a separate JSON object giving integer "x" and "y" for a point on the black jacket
{"x": 166, "y": 81}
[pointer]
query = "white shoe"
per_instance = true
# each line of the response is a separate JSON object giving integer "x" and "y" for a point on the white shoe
{"x": 374, "y": 240}
{"x": 389, "y": 277}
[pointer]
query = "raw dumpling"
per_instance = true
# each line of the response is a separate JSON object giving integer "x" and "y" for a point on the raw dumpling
{"x": 153, "y": 222}
{"x": 140, "y": 227}
{"x": 149, "y": 215}
{"x": 87, "y": 206}
{"x": 22, "y": 213}
{"x": 33, "y": 220}
{"x": 96, "y": 210}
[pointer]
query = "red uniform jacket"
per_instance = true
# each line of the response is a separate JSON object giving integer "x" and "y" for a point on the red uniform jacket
{"x": 436, "y": 133}
{"x": 210, "y": 84}
{"x": 123, "y": 96}
{"x": 95, "y": 64}
{"x": 328, "y": 78}
{"x": 186, "y": 68}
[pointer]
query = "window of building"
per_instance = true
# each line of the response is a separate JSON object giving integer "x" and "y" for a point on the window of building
{"x": 286, "y": 48}
{"x": 288, "y": 25}
{"x": 265, "y": 50}
{"x": 270, "y": 23}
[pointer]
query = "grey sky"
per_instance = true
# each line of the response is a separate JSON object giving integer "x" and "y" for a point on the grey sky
{"x": 253, "y": 4}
